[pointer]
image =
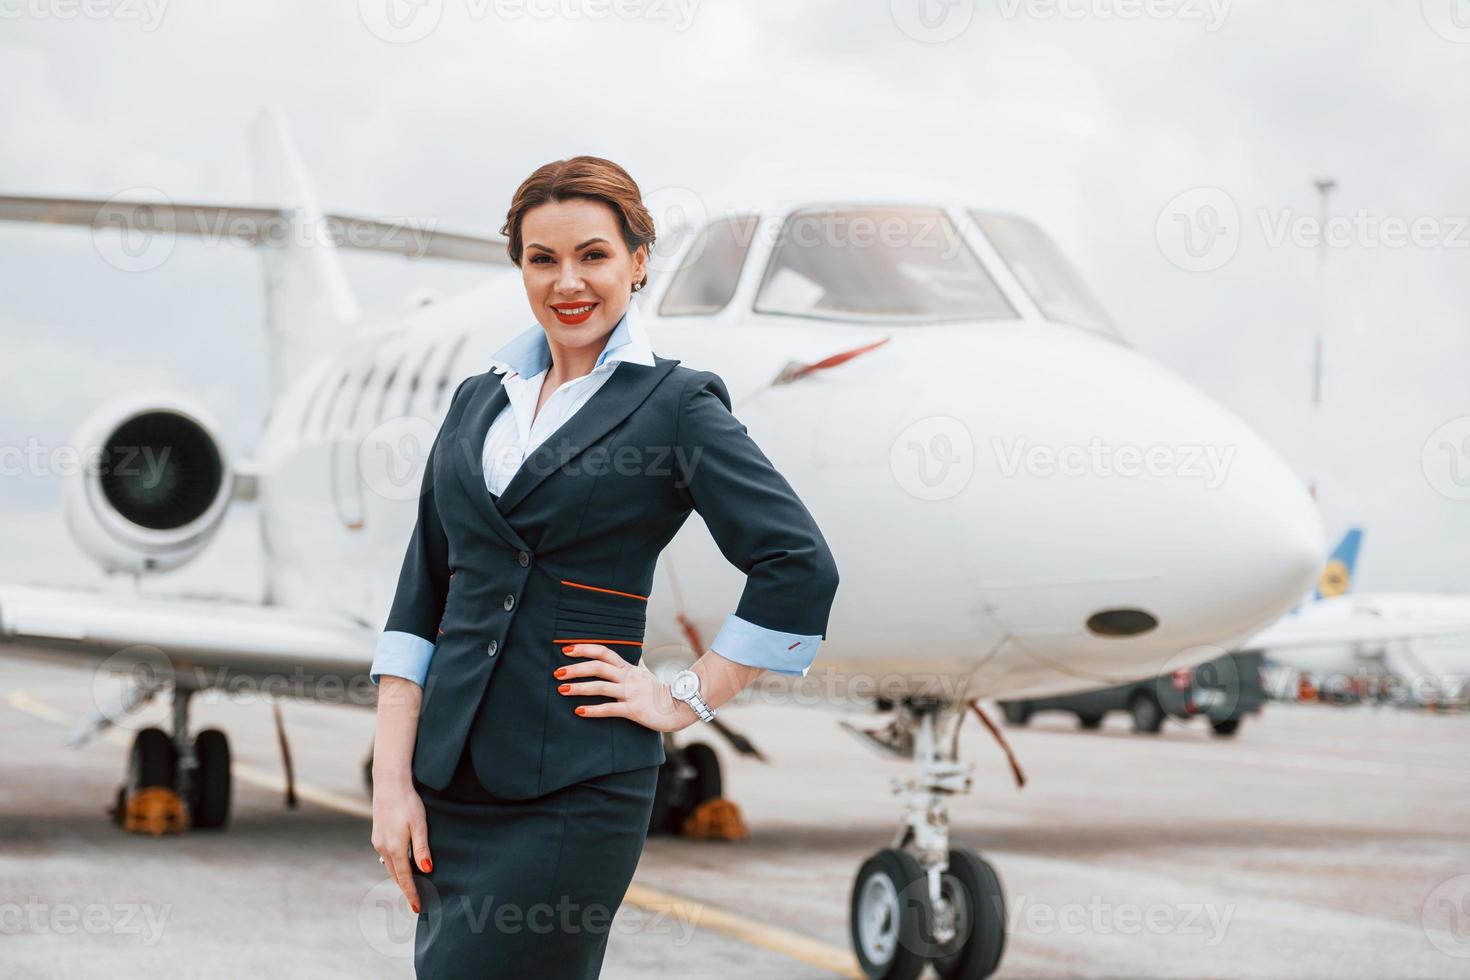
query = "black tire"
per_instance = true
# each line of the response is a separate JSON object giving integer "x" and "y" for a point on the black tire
{"x": 1016, "y": 713}
{"x": 154, "y": 760}
{"x": 1225, "y": 727}
{"x": 673, "y": 800}
{"x": 1148, "y": 717}
{"x": 209, "y": 804}
{"x": 707, "y": 783}
{"x": 888, "y": 916}
{"x": 1090, "y": 721}
{"x": 981, "y": 918}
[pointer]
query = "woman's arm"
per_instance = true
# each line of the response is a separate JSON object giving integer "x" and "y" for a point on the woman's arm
{"x": 762, "y": 528}
{"x": 400, "y": 668}
{"x": 398, "y": 813}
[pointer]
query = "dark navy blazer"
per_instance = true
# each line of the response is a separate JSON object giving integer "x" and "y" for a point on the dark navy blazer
{"x": 567, "y": 554}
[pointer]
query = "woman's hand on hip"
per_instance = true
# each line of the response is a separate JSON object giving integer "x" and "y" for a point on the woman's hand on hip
{"x": 637, "y": 692}
{"x": 401, "y": 835}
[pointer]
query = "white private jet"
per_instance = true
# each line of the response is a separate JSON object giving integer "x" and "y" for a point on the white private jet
{"x": 1021, "y": 502}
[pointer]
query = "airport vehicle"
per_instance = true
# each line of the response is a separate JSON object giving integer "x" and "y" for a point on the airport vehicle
{"x": 1222, "y": 691}
{"x": 934, "y": 380}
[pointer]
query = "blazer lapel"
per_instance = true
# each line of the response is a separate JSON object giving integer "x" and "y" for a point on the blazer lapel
{"x": 469, "y": 454}
{"x": 619, "y": 395}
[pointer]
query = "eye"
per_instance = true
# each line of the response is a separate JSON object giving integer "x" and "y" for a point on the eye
{"x": 536, "y": 259}
{"x": 599, "y": 253}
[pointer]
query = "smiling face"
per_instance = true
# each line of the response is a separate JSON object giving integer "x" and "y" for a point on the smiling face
{"x": 578, "y": 272}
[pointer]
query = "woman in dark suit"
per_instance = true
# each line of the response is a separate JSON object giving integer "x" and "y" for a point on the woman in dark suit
{"x": 519, "y": 736}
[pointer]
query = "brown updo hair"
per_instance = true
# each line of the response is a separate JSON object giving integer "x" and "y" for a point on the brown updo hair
{"x": 587, "y": 177}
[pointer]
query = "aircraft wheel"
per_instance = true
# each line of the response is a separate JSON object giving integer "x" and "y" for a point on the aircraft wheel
{"x": 888, "y": 916}
{"x": 1225, "y": 727}
{"x": 974, "y": 891}
{"x": 1016, "y": 713}
{"x": 154, "y": 761}
{"x": 676, "y": 796}
{"x": 1148, "y": 717}
{"x": 209, "y": 806}
{"x": 706, "y": 783}
{"x": 1090, "y": 721}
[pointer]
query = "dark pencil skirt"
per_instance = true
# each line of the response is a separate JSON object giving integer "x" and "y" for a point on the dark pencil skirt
{"x": 527, "y": 888}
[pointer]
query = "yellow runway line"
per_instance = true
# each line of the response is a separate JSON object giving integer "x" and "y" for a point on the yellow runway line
{"x": 812, "y": 952}
{"x": 793, "y": 945}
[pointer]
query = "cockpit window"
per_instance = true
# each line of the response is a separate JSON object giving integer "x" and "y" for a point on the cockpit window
{"x": 889, "y": 264}
{"x": 708, "y": 276}
{"x": 1044, "y": 272}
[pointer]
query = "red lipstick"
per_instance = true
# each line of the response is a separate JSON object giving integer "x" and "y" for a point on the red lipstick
{"x": 573, "y": 313}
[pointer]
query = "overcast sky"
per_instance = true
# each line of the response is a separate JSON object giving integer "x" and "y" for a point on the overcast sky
{"x": 1118, "y": 125}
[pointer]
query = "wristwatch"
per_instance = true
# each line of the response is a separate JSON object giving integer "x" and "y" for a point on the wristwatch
{"x": 685, "y": 687}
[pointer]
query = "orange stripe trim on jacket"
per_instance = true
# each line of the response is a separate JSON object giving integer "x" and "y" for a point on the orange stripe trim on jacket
{"x": 593, "y": 588}
{"x": 586, "y": 639}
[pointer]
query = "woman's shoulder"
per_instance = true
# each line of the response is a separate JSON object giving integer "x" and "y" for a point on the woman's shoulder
{"x": 690, "y": 382}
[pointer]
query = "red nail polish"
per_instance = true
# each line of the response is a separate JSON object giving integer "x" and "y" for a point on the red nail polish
{"x": 564, "y": 688}
{"x": 567, "y": 648}
{"x": 581, "y": 710}
{"x": 414, "y": 907}
{"x": 428, "y": 865}
{"x": 559, "y": 672}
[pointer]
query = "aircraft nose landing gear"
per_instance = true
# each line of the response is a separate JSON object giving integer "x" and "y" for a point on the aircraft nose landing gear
{"x": 918, "y": 901}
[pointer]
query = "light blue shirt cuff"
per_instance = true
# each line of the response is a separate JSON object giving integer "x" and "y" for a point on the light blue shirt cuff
{"x": 755, "y": 646}
{"x": 402, "y": 655}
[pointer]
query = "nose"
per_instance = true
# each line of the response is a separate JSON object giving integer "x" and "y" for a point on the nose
{"x": 1109, "y": 483}
{"x": 567, "y": 280}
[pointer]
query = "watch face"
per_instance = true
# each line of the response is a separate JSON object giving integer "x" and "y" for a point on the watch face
{"x": 685, "y": 683}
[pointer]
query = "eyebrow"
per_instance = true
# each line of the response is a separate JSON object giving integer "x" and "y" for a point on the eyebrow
{"x": 578, "y": 248}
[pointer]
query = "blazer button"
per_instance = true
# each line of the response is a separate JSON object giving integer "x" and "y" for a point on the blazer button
{"x": 510, "y": 602}
{"x": 490, "y": 650}
{"x": 524, "y": 558}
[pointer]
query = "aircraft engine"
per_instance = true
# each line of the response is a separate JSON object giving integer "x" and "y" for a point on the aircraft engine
{"x": 154, "y": 485}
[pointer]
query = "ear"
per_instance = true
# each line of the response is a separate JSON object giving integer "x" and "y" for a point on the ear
{"x": 640, "y": 263}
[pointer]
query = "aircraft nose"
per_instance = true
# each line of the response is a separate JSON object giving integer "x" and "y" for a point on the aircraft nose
{"x": 1111, "y": 472}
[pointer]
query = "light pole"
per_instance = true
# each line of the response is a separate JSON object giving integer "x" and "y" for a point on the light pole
{"x": 1325, "y": 186}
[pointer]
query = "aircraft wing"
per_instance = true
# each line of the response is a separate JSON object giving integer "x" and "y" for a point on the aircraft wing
{"x": 1292, "y": 631}
{"x": 297, "y": 653}
{"x": 255, "y": 225}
